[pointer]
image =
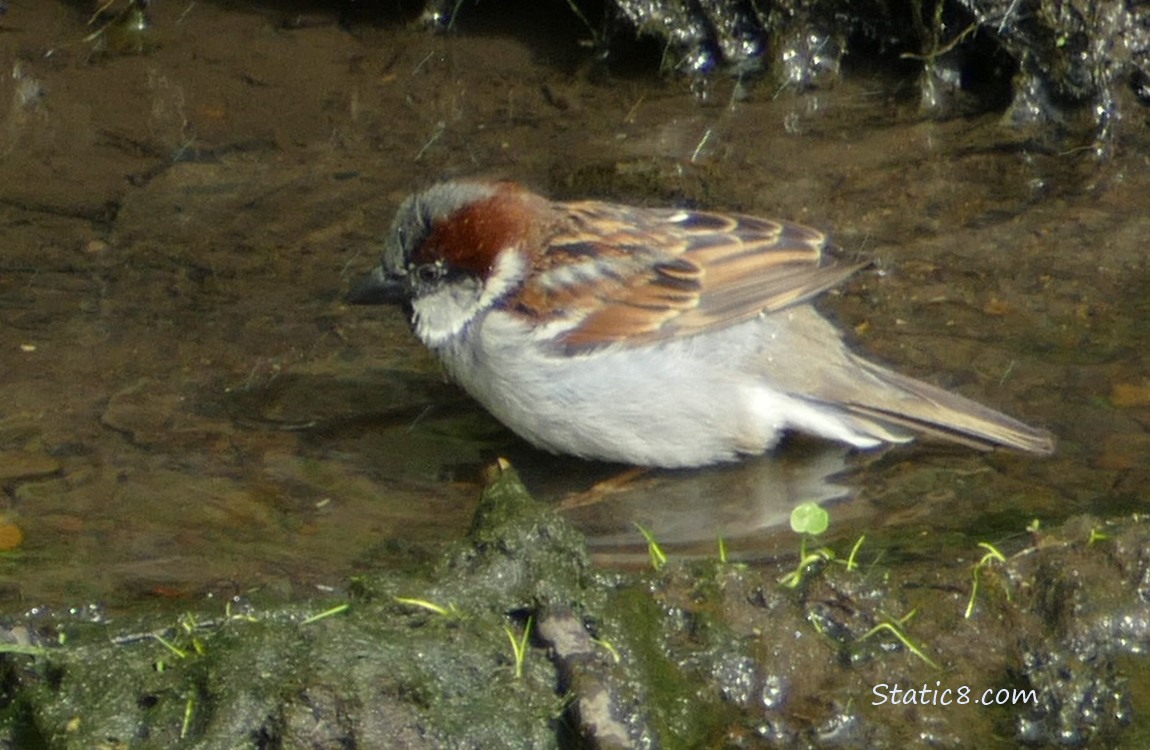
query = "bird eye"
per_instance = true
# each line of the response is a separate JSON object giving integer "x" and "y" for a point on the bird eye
{"x": 429, "y": 273}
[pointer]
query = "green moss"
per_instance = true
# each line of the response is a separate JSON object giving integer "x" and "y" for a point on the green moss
{"x": 678, "y": 701}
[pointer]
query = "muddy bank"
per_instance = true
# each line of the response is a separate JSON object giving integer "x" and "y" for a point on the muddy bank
{"x": 513, "y": 639}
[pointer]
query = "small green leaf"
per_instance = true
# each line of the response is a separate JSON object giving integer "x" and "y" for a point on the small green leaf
{"x": 809, "y": 518}
{"x": 658, "y": 556}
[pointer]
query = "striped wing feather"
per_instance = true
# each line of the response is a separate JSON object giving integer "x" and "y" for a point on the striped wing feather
{"x": 662, "y": 273}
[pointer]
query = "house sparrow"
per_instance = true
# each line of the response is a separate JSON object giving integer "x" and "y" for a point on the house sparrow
{"x": 649, "y": 336}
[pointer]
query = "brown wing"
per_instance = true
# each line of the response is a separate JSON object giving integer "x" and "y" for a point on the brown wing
{"x": 656, "y": 274}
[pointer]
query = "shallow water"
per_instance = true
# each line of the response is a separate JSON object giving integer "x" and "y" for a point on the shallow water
{"x": 189, "y": 406}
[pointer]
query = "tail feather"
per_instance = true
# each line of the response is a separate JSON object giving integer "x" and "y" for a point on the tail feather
{"x": 923, "y": 408}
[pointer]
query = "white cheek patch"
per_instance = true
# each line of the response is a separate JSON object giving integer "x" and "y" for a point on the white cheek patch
{"x": 445, "y": 312}
{"x": 508, "y": 273}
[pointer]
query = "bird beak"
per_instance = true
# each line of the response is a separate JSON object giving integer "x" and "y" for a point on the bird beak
{"x": 380, "y": 288}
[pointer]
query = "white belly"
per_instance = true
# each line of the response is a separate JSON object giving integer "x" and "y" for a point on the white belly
{"x": 681, "y": 403}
